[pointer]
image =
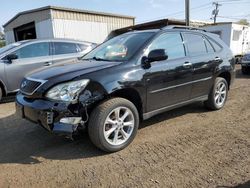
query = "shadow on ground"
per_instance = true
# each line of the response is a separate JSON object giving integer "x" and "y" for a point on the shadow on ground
{"x": 26, "y": 143}
{"x": 242, "y": 185}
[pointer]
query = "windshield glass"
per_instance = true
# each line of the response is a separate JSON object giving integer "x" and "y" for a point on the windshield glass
{"x": 10, "y": 46}
{"x": 120, "y": 48}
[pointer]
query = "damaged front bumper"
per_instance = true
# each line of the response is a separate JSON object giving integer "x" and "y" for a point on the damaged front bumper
{"x": 57, "y": 117}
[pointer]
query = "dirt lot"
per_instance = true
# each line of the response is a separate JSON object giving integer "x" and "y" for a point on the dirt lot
{"x": 187, "y": 147}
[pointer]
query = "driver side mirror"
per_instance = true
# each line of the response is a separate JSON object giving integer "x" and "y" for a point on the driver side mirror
{"x": 154, "y": 55}
{"x": 11, "y": 57}
{"x": 157, "y": 55}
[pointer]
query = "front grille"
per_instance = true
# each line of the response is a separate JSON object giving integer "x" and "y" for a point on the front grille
{"x": 29, "y": 86}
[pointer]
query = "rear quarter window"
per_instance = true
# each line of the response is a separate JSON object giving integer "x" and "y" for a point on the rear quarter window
{"x": 82, "y": 47}
{"x": 215, "y": 45}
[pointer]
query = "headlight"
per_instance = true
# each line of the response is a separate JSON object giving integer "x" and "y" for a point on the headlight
{"x": 68, "y": 91}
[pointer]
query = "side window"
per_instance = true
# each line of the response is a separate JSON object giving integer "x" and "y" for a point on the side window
{"x": 33, "y": 50}
{"x": 216, "y": 46}
{"x": 171, "y": 42}
{"x": 209, "y": 46}
{"x": 195, "y": 43}
{"x": 82, "y": 47}
{"x": 64, "y": 48}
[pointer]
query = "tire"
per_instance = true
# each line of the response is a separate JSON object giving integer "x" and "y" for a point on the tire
{"x": 106, "y": 132}
{"x": 217, "y": 96}
{"x": 244, "y": 70}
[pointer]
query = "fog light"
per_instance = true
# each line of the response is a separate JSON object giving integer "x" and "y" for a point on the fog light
{"x": 71, "y": 120}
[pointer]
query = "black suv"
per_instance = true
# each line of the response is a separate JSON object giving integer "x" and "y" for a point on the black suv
{"x": 129, "y": 78}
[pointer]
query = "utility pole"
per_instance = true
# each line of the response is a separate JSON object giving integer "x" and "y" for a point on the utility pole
{"x": 187, "y": 12}
{"x": 215, "y": 11}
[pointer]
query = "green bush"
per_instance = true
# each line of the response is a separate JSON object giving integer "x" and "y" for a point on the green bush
{"x": 2, "y": 43}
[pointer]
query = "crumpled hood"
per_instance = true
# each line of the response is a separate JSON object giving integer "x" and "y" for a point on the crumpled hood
{"x": 73, "y": 68}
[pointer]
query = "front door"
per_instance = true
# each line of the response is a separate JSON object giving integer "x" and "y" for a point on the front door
{"x": 168, "y": 81}
{"x": 30, "y": 58}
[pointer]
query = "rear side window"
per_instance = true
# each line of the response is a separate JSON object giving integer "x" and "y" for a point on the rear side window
{"x": 82, "y": 47}
{"x": 171, "y": 42}
{"x": 195, "y": 43}
{"x": 33, "y": 50}
{"x": 64, "y": 48}
{"x": 216, "y": 46}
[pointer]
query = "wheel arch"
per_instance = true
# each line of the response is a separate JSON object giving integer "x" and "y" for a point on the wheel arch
{"x": 132, "y": 95}
{"x": 3, "y": 87}
{"x": 227, "y": 76}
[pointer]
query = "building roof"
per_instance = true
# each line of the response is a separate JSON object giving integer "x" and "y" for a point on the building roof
{"x": 67, "y": 10}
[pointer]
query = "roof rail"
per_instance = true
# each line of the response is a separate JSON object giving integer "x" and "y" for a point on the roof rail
{"x": 183, "y": 27}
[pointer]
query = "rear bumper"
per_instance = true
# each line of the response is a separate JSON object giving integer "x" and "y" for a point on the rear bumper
{"x": 48, "y": 114}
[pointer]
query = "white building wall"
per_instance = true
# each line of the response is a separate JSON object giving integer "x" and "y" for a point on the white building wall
{"x": 238, "y": 44}
{"x": 44, "y": 29}
{"x": 80, "y": 30}
{"x": 241, "y": 45}
{"x": 224, "y": 30}
{"x": 9, "y": 37}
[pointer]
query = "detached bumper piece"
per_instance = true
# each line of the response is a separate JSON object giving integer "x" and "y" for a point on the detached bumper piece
{"x": 53, "y": 116}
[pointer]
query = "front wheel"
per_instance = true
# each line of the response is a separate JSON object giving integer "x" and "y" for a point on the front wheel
{"x": 218, "y": 95}
{"x": 113, "y": 124}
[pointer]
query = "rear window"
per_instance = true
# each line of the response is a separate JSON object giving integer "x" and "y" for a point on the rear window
{"x": 64, "y": 48}
{"x": 195, "y": 43}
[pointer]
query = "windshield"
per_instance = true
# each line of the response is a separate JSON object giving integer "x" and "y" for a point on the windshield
{"x": 120, "y": 48}
{"x": 10, "y": 46}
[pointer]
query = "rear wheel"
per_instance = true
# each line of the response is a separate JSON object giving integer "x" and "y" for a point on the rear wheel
{"x": 113, "y": 124}
{"x": 218, "y": 95}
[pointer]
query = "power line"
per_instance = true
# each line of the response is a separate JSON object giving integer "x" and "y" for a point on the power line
{"x": 232, "y": 18}
{"x": 179, "y": 12}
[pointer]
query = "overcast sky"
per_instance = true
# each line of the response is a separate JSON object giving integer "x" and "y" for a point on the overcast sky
{"x": 143, "y": 10}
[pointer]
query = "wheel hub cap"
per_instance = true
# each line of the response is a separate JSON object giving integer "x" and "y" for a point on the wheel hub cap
{"x": 220, "y": 94}
{"x": 118, "y": 126}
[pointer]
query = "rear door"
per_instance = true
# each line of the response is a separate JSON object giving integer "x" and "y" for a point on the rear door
{"x": 30, "y": 57}
{"x": 65, "y": 51}
{"x": 204, "y": 62}
{"x": 168, "y": 81}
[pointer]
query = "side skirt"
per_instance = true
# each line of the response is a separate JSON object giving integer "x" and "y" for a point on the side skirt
{"x": 167, "y": 108}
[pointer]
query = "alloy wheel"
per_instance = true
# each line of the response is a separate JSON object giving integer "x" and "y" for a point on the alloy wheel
{"x": 118, "y": 126}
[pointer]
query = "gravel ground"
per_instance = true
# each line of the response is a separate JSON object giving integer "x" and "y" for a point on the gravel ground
{"x": 186, "y": 147}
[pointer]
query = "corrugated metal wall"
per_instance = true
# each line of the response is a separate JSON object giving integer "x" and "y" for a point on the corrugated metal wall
{"x": 111, "y": 21}
{"x": 27, "y": 18}
{"x": 53, "y": 22}
{"x": 80, "y": 30}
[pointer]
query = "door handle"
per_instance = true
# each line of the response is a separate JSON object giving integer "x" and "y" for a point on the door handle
{"x": 217, "y": 59}
{"x": 187, "y": 64}
{"x": 47, "y": 63}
